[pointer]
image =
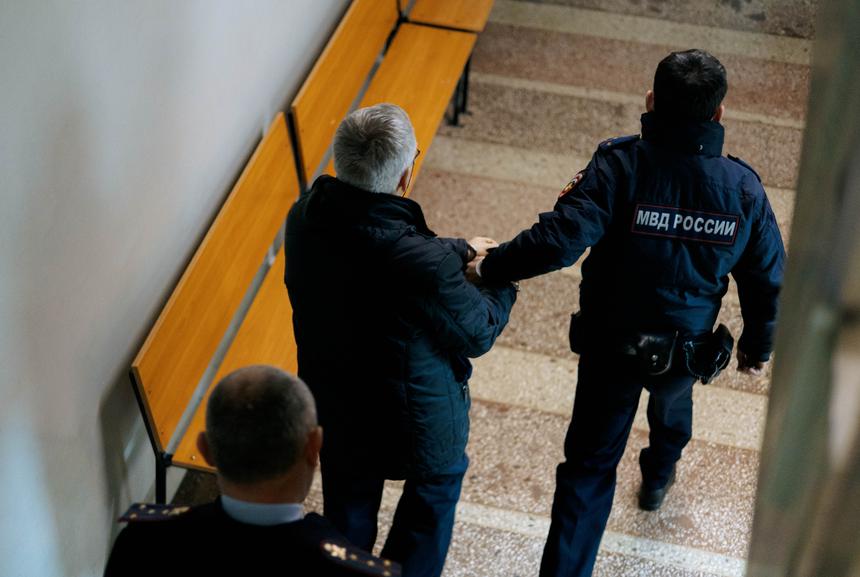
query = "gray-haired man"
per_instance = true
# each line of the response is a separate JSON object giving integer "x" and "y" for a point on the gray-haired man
{"x": 385, "y": 321}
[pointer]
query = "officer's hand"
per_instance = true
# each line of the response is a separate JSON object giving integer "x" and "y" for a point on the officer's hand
{"x": 481, "y": 244}
{"x": 472, "y": 272}
{"x": 748, "y": 366}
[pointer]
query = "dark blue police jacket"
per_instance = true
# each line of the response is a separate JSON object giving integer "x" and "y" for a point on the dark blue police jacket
{"x": 310, "y": 546}
{"x": 385, "y": 321}
{"x": 667, "y": 219}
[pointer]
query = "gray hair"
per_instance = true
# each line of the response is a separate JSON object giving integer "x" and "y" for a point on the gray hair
{"x": 373, "y": 146}
{"x": 257, "y": 422}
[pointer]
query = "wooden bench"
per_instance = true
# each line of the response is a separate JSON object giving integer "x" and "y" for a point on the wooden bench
{"x": 173, "y": 374}
{"x": 463, "y": 15}
{"x": 340, "y": 71}
{"x": 422, "y": 68}
{"x": 469, "y": 15}
{"x": 174, "y": 359}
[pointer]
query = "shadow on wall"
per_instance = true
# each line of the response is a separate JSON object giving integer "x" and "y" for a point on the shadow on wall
{"x": 51, "y": 404}
{"x": 64, "y": 408}
{"x": 124, "y": 441}
{"x": 30, "y": 543}
{"x": 82, "y": 287}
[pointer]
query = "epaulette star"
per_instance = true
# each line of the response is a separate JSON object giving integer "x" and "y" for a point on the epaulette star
{"x": 358, "y": 560}
{"x": 618, "y": 141}
{"x": 152, "y": 512}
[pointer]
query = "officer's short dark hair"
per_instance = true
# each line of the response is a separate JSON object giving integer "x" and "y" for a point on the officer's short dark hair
{"x": 689, "y": 86}
{"x": 257, "y": 423}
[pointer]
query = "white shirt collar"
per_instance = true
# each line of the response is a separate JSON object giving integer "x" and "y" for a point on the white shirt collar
{"x": 265, "y": 514}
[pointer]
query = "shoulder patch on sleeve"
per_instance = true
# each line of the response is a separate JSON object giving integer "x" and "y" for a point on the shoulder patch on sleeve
{"x": 140, "y": 512}
{"x": 618, "y": 141}
{"x": 572, "y": 184}
{"x": 361, "y": 562}
{"x": 737, "y": 160}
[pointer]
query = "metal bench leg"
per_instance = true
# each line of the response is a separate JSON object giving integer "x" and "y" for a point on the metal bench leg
{"x": 461, "y": 95}
{"x": 455, "y": 119}
{"x": 457, "y": 100}
{"x": 162, "y": 460}
{"x": 464, "y": 105}
{"x": 160, "y": 480}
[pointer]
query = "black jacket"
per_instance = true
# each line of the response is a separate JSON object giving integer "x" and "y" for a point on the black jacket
{"x": 385, "y": 321}
{"x": 204, "y": 540}
{"x": 667, "y": 219}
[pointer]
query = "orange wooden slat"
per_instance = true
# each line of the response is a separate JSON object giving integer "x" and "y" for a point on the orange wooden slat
{"x": 181, "y": 344}
{"x": 338, "y": 75}
{"x": 419, "y": 73}
{"x": 265, "y": 337}
{"x": 329, "y": 168}
{"x": 468, "y": 15}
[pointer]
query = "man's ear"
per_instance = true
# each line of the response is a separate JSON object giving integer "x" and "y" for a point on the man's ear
{"x": 204, "y": 448}
{"x": 718, "y": 115}
{"x": 649, "y": 101}
{"x": 313, "y": 446}
{"x": 404, "y": 181}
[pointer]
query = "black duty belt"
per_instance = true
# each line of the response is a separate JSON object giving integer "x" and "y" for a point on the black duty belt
{"x": 655, "y": 354}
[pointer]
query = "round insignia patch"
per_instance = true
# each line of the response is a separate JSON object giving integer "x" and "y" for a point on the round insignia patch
{"x": 572, "y": 184}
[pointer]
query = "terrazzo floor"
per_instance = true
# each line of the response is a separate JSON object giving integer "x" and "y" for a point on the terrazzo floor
{"x": 551, "y": 79}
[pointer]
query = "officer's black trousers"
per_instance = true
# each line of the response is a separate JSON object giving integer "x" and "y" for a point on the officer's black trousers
{"x": 607, "y": 396}
{"x": 423, "y": 521}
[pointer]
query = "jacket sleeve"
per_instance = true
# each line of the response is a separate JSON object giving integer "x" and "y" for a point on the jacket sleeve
{"x": 466, "y": 320}
{"x": 458, "y": 245}
{"x": 579, "y": 219}
{"x": 759, "y": 275}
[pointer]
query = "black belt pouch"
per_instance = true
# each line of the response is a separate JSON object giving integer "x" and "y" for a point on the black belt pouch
{"x": 706, "y": 357}
{"x": 652, "y": 353}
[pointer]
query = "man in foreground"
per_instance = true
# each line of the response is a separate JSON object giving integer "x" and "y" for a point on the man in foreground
{"x": 262, "y": 435}
{"x": 667, "y": 219}
{"x": 385, "y": 323}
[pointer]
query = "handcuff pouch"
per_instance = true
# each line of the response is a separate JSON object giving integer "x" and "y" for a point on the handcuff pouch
{"x": 651, "y": 353}
{"x": 707, "y": 356}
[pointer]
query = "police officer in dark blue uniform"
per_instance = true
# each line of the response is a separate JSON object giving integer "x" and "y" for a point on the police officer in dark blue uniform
{"x": 667, "y": 218}
{"x": 262, "y": 434}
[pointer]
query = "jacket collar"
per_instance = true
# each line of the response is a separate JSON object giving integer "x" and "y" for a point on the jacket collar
{"x": 704, "y": 138}
{"x": 335, "y": 199}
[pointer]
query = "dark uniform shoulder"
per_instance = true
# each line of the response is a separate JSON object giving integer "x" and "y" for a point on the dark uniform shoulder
{"x": 737, "y": 160}
{"x": 149, "y": 512}
{"x": 337, "y": 551}
{"x": 357, "y": 561}
{"x": 148, "y": 526}
{"x": 617, "y": 142}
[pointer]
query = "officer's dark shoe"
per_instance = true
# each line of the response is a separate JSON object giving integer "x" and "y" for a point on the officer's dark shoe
{"x": 651, "y": 499}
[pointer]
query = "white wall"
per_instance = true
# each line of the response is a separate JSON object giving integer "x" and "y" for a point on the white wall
{"x": 122, "y": 126}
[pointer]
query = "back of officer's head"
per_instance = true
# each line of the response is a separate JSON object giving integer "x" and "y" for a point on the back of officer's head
{"x": 258, "y": 422}
{"x": 689, "y": 86}
{"x": 373, "y": 147}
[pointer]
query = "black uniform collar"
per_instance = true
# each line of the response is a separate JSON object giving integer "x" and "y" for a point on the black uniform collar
{"x": 338, "y": 200}
{"x": 704, "y": 138}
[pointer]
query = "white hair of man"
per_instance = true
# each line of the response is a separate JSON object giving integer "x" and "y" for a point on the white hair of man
{"x": 373, "y": 147}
